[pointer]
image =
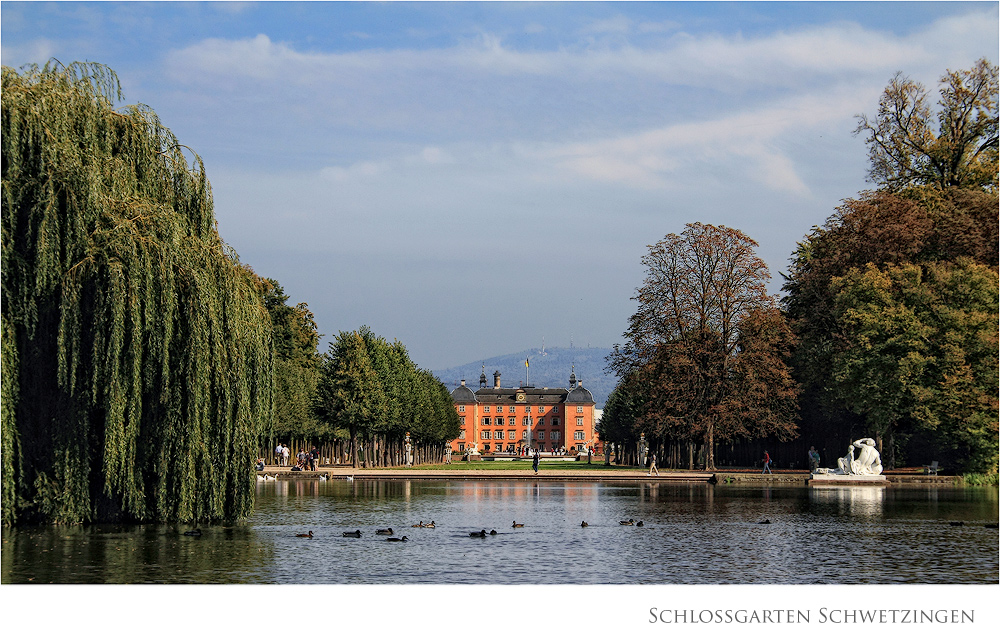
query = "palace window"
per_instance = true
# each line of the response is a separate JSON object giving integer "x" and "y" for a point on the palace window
{"x": 541, "y": 422}
{"x": 461, "y": 447}
{"x": 555, "y": 422}
{"x": 485, "y": 435}
{"x": 511, "y": 435}
{"x": 498, "y": 435}
{"x": 526, "y": 421}
{"x": 511, "y": 421}
{"x": 555, "y": 435}
{"x": 577, "y": 435}
{"x": 486, "y": 421}
{"x": 461, "y": 420}
{"x": 579, "y": 422}
{"x": 461, "y": 408}
{"x": 511, "y": 409}
{"x": 579, "y": 409}
{"x": 524, "y": 434}
{"x": 486, "y": 447}
{"x": 461, "y": 434}
{"x": 541, "y": 435}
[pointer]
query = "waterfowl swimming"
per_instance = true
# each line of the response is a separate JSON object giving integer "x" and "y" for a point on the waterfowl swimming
{"x": 194, "y": 533}
{"x": 352, "y": 533}
{"x": 322, "y": 477}
{"x": 990, "y": 525}
{"x": 478, "y": 533}
{"x": 429, "y": 525}
{"x": 584, "y": 523}
{"x": 396, "y": 539}
{"x": 267, "y": 477}
{"x": 493, "y": 532}
{"x": 308, "y": 535}
{"x": 387, "y": 531}
{"x": 628, "y": 522}
{"x": 639, "y": 523}
{"x": 516, "y": 525}
{"x": 350, "y": 478}
{"x": 261, "y": 478}
{"x": 764, "y": 521}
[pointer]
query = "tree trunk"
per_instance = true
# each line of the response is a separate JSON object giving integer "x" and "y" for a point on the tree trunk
{"x": 710, "y": 447}
{"x": 354, "y": 447}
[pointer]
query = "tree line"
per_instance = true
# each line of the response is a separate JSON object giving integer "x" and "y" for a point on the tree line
{"x": 888, "y": 323}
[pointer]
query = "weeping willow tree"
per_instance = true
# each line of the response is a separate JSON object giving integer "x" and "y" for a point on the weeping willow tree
{"x": 137, "y": 356}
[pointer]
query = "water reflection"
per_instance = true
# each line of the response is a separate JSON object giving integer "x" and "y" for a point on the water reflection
{"x": 856, "y": 501}
{"x": 692, "y": 533}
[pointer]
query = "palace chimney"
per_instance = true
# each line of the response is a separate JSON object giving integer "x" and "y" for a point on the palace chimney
{"x": 496, "y": 379}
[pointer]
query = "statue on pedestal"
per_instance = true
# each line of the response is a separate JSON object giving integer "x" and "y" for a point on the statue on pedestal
{"x": 868, "y": 462}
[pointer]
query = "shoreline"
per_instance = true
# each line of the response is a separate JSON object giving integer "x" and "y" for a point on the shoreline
{"x": 731, "y": 477}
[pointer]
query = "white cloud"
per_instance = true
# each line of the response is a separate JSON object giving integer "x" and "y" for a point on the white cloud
{"x": 787, "y": 58}
{"x": 362, "y": 170}
{"x": 38, "y": 50}
{"x": 618, "y": 24}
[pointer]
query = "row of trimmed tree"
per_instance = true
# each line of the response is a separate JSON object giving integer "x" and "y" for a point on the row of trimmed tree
{"x": 888, "y": 326}
{"x": 356, "y": 403}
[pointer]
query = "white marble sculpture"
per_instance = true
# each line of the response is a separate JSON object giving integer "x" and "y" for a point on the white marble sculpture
{"x": 868, "y": 462}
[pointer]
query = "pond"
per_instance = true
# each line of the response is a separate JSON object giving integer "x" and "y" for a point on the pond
{"x": 691, "y": 533}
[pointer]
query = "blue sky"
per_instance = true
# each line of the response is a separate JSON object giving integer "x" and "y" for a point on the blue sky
{"x": 471, "y": 178}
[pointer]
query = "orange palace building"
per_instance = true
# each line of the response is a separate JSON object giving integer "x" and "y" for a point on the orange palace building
{"x": 507, "y": 420}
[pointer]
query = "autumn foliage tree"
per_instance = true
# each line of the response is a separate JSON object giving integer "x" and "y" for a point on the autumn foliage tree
{"x": 706, "y": 347}
{"x": 866, "y": 293}
{"x": 910, "y": 145}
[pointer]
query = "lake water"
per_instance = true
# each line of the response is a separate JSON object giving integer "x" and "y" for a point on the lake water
{"x": 691, "y": 534}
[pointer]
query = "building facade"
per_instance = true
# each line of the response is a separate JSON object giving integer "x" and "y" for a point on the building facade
{"x": 513, "y": 420}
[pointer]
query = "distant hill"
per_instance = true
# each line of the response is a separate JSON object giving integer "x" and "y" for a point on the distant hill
{"x": 551, "y": 369}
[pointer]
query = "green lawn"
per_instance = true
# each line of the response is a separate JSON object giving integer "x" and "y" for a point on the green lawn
{"x": 520, "y": 465}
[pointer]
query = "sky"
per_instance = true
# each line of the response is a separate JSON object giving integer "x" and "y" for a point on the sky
{"x": 476, "y": 178}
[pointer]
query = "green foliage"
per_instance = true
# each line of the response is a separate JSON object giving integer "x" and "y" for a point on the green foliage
{"x": 137, "y": 355}
{"x": 981, "y": 479}
{"x": 921, "y": 351}
{"x": 296, "y": 367}
{"x": 371, "y": 388}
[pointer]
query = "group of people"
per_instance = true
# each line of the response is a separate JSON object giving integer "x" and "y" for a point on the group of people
{"x": 813, "y": 461}
{"x": 304, "y": 460}
{"x": 868, "y": 461}
{"x": 281, "y": 454}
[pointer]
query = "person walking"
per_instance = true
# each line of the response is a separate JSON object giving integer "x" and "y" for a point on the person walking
{"x": 534, "y": 463}
{"x": 767, "y": 464}
{"x": 285, "y": 453}
{"x": 652, "y": 465}
{"x": 277, "y": 454}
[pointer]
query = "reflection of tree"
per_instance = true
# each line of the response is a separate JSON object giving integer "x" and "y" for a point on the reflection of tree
{"x": 153, "y": 554}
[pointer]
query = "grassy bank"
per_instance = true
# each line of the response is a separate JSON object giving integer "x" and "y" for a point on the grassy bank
{"x": 521, "y": 465}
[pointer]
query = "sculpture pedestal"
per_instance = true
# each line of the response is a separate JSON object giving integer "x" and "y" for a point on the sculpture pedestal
{"x": 838, "y": 480}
